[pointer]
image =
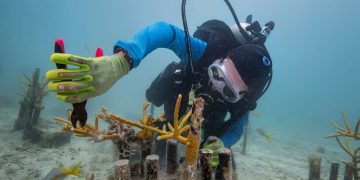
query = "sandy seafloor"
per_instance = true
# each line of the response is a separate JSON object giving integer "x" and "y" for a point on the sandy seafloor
{"x": 284, "y": 158}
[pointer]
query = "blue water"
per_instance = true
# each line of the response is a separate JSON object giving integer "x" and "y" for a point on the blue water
{"x": 314, "y": 48}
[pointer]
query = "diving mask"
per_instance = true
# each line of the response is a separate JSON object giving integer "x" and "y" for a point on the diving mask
{"x": 226, "y": 80}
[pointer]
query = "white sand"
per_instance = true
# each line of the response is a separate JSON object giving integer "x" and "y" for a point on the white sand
{"x": 284, "y": 158}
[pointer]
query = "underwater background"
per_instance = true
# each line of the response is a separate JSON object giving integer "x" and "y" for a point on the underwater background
{"x": 314, "y": 47}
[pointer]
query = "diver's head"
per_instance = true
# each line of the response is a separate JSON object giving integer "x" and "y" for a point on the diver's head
{"x": 245, "y": 71}
{"x": 226, "y": 80}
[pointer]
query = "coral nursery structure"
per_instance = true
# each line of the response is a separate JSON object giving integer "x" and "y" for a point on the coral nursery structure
{"x": 347, "y": 134}
{"x": 31, "y": 106}
{"x": 147, "y": 126}
{"x": 121, "y": 133}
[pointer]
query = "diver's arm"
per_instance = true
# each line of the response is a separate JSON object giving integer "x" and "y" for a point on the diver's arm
{"x": 234, "y": 134}
{"x": 161, "y": 35}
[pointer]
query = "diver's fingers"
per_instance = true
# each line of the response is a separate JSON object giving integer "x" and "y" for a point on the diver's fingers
{"x": 83, "y": 84}
{"x": 77, "y": 98}
{"x": 68, "y": 87}
{"x": 81, "y": 60}
{"x": 61, "y": 58}
{"x": 66, "y": 74}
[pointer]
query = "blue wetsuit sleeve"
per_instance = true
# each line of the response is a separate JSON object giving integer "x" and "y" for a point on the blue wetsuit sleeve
{"x": 234, "y": 133}
{"x": 161, "y": 35}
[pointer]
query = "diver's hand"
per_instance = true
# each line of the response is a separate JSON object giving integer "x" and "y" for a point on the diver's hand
{"x": 215, "y": 144}
{"x": 93, "y": 77}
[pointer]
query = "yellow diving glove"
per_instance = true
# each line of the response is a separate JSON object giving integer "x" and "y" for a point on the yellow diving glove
{"x": 93, "y": 77}
{"x": 215, "y": 144}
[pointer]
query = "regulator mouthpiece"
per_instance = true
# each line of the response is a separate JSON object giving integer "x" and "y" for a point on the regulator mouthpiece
{"x": 265, "y": 32}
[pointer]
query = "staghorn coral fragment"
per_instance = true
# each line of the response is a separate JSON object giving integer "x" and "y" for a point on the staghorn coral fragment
{"x": 346, "y": 132}
{"x": 185, "y": 129}
{"x": 135, "y": 124}
{"x": 147, "y": 120}
{"x": 147, "y": 124}
{"x": 191, "y": 150}
{"x": 178, "y": 129}
{"x": 93, "y": 131}
{"x": 345, "y": 144}
{"x": 185, "y": 118}
{"x": 194, "y": 138}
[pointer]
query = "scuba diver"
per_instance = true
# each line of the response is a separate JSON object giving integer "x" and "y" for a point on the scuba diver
{"x": 230, "y": 69}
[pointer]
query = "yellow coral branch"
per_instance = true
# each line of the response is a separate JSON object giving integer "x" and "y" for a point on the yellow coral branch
{"x": 337, "y": 126}
{"x": 176, "y": 112}
{"x": 145, "y": 106}
{"x": 177, "y": 130}
{"x": 165, "y": 136}
{"x": 164, "y": 128}
{"x": 185, "y": 129}
{"x": 131, "y": 123}
{"x": 185, "y": 119}
{"x": 161, "y": 117}
{"x": 345, "y": 144}
{"x": 357, "y": 125}
{"x": 346, "y": 121}
{"x": 343, "y": 147}
{"x": 62, "y": 120}
{"x": 194, "y": 138}
{"x": 171, "y": 128}
{"x": 87, "y": 131}
{"x": 182, "y": 139}
{"x": 147, "y": 121}
{"x": 146, "y": 124}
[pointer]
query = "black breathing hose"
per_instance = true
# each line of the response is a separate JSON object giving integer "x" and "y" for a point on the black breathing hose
{"x": 242, "y": 31}
{"x": 187, "y": 38}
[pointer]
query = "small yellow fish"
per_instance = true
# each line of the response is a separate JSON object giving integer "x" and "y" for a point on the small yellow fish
{"x": 265, "y": 134}
{"x": 61, "y": 172}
